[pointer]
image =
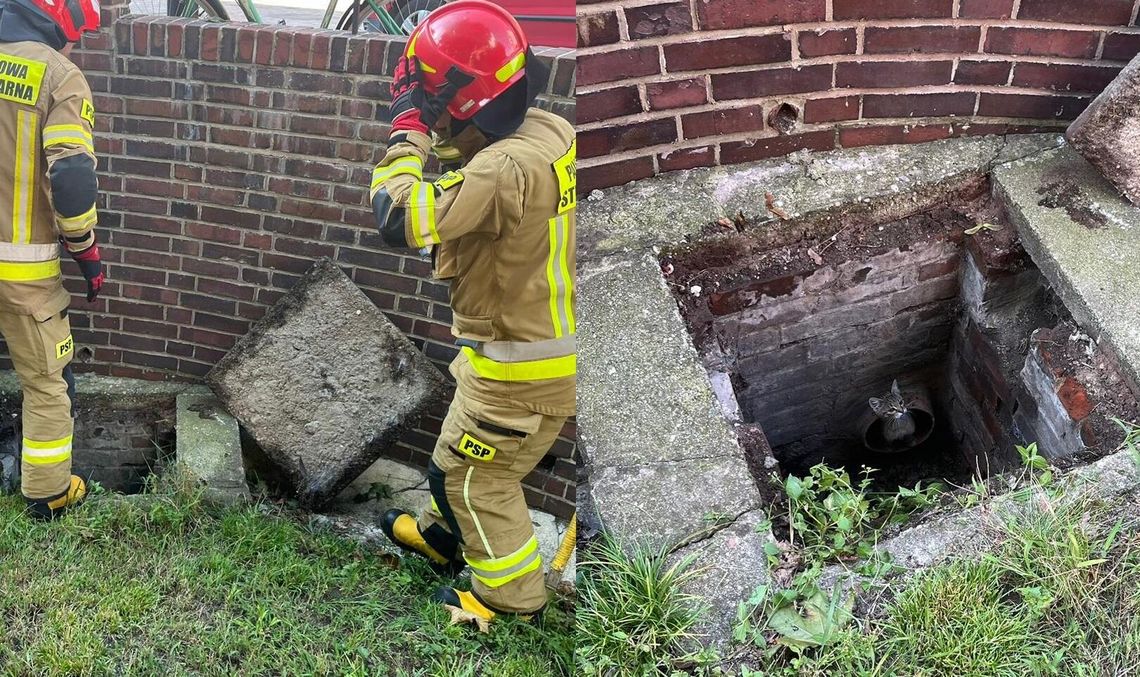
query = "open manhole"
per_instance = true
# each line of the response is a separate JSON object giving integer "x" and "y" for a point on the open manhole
{"x": 124, "y": 433}
{"x": 802, "y": 322}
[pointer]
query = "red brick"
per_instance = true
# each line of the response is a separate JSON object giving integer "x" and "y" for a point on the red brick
{"x": 615, "y": 173}
{"x": 749, "y": 50}
{"x": 649, "y": 21}
{"x": 892, "y": 9}
{"x": 853, "y": 137}
{"x": 618, "y": 65}
{"x": 831, "y": 110}
{"x": 756, "y": 84}
{"x": 1031, "y": 106}
{"x": 723, "y": 121}
{"x": 882, "y": 74}
{"x": 1064, "y": 77}
{"x": 686, "y": 158}
{"x": 1121, "y": 46}
{"x": 608, "y": 103}
{"x": 616, "y": 138}
{"x": 674, "y": 94}
{"x": 827, "y": 42}
{"x": 917, "y": 105}
{"x": 1074, "y": 398}
{"x": 717, "y": 14}
{"x": 982, "y": 72}
{"x": 778, "y": 146}
{"x": 1042, "y": 42}
{"x": 1108, "y": 12}
{"x": 598, "y": 29}
{"x": 923, "y": 39}
{"x": 986, "y": 9}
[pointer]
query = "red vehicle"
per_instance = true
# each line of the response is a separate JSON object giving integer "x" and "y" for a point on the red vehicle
{"x": 547, "y": 23}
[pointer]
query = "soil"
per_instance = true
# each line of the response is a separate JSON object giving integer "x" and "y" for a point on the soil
{"x": 1065, "y": 194}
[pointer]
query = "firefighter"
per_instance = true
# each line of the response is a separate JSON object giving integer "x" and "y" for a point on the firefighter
{"x": 47, "y": 200}
{"x": 500, "y": 226}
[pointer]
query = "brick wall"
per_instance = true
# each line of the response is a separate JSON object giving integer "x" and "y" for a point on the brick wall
{"x": 232, "y": 156}
{"x": 691, "y": 83}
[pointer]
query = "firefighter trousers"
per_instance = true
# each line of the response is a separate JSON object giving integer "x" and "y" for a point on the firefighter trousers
{"x": 478, "y": 510}
{"x": 41, "y": 353}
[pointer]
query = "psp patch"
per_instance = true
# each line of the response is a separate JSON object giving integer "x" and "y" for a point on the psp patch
{"x": 480, "y": 451}
{"x": 88, "y": 112}
{"x": 20, "y": 79}
{"x": 63, "y": 348}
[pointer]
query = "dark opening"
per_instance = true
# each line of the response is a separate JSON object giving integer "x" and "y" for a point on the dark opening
{"x": 784, "y": 118}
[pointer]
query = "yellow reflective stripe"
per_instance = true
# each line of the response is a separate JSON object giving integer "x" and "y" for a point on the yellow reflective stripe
{"x": 25, "y": 173}
{"x": 422, "y": 207}
{"x": 39, "y": 452}
{"x": 559, "y": 279}
{"x": 534, "y": 370}
{"x": 60, "y": 140}
{"x": 75, "y": 224}
{"x": 497, "y": 572}
{"x": 28, "y": 272}
{"x": 471, "y": 511}
{"x": 409, "y": 165}
{"x": 511, "y": 67}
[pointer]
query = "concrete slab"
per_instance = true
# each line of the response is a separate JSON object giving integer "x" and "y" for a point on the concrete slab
{"x": 1085, "y": 239}
{"x": 325, "y": 383}
{"x": 733, "y": 565}
{"x": 667, "y": 209}
{"x": 643, "y": 395}
{"x": 665, "y": 504}
{"x": 1107, "y": 133}
{"x": 209, "y": 449}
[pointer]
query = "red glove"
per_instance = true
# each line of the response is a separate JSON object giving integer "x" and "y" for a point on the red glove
{"x": 407, "y": 94}
{"x": 91, "y": 265}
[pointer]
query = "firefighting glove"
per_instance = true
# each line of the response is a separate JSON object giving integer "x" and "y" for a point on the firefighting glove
{"x": 91, "y": 265}
{"x": 412, "y": 108}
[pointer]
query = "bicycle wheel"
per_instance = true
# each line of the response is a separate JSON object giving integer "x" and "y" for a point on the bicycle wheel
{"x": 401, "y": 16}
{"x": 194, "y": 9}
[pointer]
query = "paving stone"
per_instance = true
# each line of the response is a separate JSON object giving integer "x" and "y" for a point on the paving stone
{"x": 325, "y": 383}
{"x": 1107, "y": 133}
{"x": 209, "y": 449}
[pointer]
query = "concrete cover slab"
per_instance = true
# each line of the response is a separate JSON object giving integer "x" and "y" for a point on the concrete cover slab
{"x": 1085, "y": 239}
{"x": 1107, "y": 133}
{"x": 668, "y": 208}
{"x": 209, "y": 449}
{"x": 324, "y": 383}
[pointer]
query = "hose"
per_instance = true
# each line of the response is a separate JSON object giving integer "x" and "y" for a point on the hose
{"x": 569, "y": 542}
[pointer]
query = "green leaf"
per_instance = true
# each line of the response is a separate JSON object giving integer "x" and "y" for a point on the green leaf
{"x": 843, "y": 523}
{"x": 770, "y": 548}
{"x": 1091, "y": 563}
{"x": 793, "y": 487}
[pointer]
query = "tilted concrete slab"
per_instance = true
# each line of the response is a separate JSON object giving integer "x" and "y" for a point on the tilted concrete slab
{"x": 1107, "y": 133}
{"x": 669, "y": 208}
{"x": 209, "y": 449}
{"x": 1087, "y": 245}
{"x": 325, "y": 383}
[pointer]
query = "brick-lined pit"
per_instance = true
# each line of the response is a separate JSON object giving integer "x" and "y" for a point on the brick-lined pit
{"x": 804, "y": 342}
{"x": 231, "y": 156}
{"x": 693, "y": 83}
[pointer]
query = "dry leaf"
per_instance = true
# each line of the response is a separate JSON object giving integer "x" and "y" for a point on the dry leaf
{"x": 724, "y": 222}
{"x": 770, "y": 202}
{"x": 815, "y": 257}
{"x": 980, "y": 227}
{"x": 459, "y": 616}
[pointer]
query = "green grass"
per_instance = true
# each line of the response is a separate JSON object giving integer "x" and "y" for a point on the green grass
{"x": 1060, "y": 595}
{"x": 170, "y": 588}
{"x": 633, "y": 617}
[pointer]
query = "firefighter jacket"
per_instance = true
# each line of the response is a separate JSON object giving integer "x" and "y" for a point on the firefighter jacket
{"x": 48, "y": 185}
{"x": 501, "y": 229}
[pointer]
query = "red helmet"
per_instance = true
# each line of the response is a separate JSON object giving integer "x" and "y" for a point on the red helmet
{"x": 479, "y": 38}
{"x": 74, "y": 17}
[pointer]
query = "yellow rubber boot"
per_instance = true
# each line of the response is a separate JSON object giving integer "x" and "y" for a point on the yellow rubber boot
{"x": 469, "y": 605}
{"x": 401, "y": 528}
{"x": 54, "y": 507}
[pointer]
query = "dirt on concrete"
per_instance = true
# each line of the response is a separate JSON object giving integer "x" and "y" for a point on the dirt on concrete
{"x": 1065, "y": 194}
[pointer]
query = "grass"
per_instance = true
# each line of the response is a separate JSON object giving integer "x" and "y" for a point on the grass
{"x": 1060, "y": 595}
{"x": 633, "y": 617}
{"x": 170, "y": 588}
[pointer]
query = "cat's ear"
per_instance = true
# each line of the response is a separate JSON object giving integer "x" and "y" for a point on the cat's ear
{"x": 878, "y": 406}
{"x": 895, "y": 389}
